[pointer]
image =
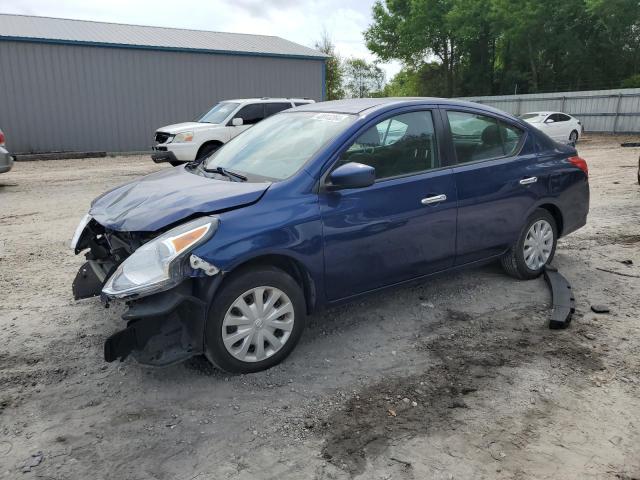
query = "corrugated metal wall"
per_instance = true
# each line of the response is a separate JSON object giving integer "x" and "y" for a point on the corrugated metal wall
{"x": 610, "y": 111}
{"x": 83, "y": 98}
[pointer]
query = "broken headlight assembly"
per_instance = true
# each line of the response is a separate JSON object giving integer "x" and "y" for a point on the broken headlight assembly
{"x": 79, "y": 229}
{"x": 159, "y": 264}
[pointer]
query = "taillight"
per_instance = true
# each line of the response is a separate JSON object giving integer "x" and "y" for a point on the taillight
{"x": 580, "y": 163}
{"x": 1, "y": 138}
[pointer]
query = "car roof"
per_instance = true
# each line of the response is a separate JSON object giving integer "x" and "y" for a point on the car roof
{"x": 544, "y": 113}
{"x": 357, "y": 106}
{"x": 267, "y": 100}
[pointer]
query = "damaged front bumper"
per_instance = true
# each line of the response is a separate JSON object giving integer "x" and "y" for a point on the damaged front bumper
{"x": 162, "y": 329}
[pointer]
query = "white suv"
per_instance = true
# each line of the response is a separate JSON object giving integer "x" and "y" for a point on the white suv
{"x": 185, "y": 142}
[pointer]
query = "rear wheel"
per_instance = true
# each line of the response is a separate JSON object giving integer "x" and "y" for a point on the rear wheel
{"x": 255, "y": 321}
{"x": 573, "y": 137}
{"x": 535, "y": 247}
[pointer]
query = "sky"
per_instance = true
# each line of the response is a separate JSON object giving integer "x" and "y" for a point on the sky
{"x": 301, "y": 21}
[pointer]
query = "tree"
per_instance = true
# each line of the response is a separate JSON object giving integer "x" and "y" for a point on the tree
{"x": 362, "y": 79}
{"x": 478, "y": 47}
{"x": 333, "y": 67}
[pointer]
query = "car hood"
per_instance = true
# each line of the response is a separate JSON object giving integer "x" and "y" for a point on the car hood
{"x": 188, "y": 127}
{"x": 168, "y": 196}
{"x": 533, "y": 120}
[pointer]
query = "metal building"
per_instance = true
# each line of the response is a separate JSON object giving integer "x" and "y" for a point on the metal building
{"x": 72, "y": 85}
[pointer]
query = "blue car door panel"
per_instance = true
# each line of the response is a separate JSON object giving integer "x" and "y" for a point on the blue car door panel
{"x": 498, "y": 181}
{"x": 384, "y": 234}
{"x": 401, "y": 227}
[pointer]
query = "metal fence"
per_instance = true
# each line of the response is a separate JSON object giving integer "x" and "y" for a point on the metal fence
{"x": 607, "y": 111}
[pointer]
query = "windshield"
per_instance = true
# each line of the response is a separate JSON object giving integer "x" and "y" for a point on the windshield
{"x": 279, "y": 146}
{"x": 218, "y": 113}
{"x": 529, "y": 116}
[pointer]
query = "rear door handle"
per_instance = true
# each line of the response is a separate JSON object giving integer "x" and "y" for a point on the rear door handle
{"x": 528, "y": 181}
{"x": 434, "y": 199}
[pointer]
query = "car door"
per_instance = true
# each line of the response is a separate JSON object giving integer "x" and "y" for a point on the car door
{"x": 497, "y": 181}
{"x": 250, "y": 115}
{"x": 565, "y": 126}
{"x": 401, "y": 227}
{"x": 554, "y": 127}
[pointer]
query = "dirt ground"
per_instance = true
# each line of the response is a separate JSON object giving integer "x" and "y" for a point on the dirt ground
{"x": 458, "y": 378}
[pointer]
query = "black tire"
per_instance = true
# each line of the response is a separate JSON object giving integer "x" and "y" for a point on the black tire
{"x": 573, "y": 137}
{"x": 231, "y": 289}
{"x": 206, "y": 150}
{"x": 513, "y": 260}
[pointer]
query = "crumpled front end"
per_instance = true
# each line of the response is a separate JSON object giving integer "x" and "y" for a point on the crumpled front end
{"x": 164, "y": 325}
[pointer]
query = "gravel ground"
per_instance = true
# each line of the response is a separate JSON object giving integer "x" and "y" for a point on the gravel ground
{"x": 457, "y": 378}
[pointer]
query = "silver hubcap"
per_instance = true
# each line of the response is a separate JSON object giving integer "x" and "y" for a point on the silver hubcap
{"x": 258, "y": 324}
{"x": 538, "y": 244}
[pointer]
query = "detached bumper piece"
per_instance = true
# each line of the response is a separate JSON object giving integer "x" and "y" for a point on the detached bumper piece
{"x": 89, "y": 280}
{"x": 564, "y": 303}
{"x": 162, "y": 329}
{"x": 161, "y": 156}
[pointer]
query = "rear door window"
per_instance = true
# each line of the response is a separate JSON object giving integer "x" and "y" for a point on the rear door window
{"x": 480, "y": 137}
{"x": 251, "y": 114}
{"x": 273, "y": 108}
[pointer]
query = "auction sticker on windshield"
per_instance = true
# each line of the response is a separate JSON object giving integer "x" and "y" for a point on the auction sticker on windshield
{"x": 330, "y": 117}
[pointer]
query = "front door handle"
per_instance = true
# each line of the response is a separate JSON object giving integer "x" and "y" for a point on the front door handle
{"x": 528, "y": 181}
{"x": 434, "y": 199}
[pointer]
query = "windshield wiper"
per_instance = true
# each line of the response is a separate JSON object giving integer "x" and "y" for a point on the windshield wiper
{"x": 227, "y": 173}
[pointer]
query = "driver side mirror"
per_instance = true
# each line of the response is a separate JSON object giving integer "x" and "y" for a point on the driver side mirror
{"x": 351, "y": 175}
{"x": 549, "y": 120}
{"x": 237, "y": 122}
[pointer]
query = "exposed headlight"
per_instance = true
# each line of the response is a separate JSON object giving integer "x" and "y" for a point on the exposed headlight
{"x": 159, "y": 264}
{"x": 183, "y": 137}
{"x": 79, "y": 229}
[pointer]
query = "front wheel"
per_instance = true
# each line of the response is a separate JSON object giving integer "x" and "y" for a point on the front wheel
{"x": 534, "y": 248}
{"x": 255, "y": 321}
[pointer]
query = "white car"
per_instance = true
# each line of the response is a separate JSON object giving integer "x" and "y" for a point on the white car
{"x": 559, "y": 126}
{"x": 185, "y": 142}
{"x": 6, "y": 160}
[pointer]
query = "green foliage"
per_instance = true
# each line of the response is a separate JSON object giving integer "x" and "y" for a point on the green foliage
{"x": 478, "y": 47}
{"x": 631, "y": 82}
{"x": 333, "y": 68}
{"x": 362, "y": 79}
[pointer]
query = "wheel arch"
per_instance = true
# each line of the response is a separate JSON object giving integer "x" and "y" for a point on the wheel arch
{"x": 206, "y": 144}
{"x": 288, "y": 264}
{"x": 556, "y": 213}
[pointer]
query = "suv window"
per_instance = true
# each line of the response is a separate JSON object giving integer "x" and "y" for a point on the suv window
{"x": 479, "y": 137}
{"x": 400, "y": 145}
{"x": 251, "y": 114}
{"x": 273, "y": 108}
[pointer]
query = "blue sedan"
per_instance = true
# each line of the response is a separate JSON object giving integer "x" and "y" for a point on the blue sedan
{"x": 317, "y": 206}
